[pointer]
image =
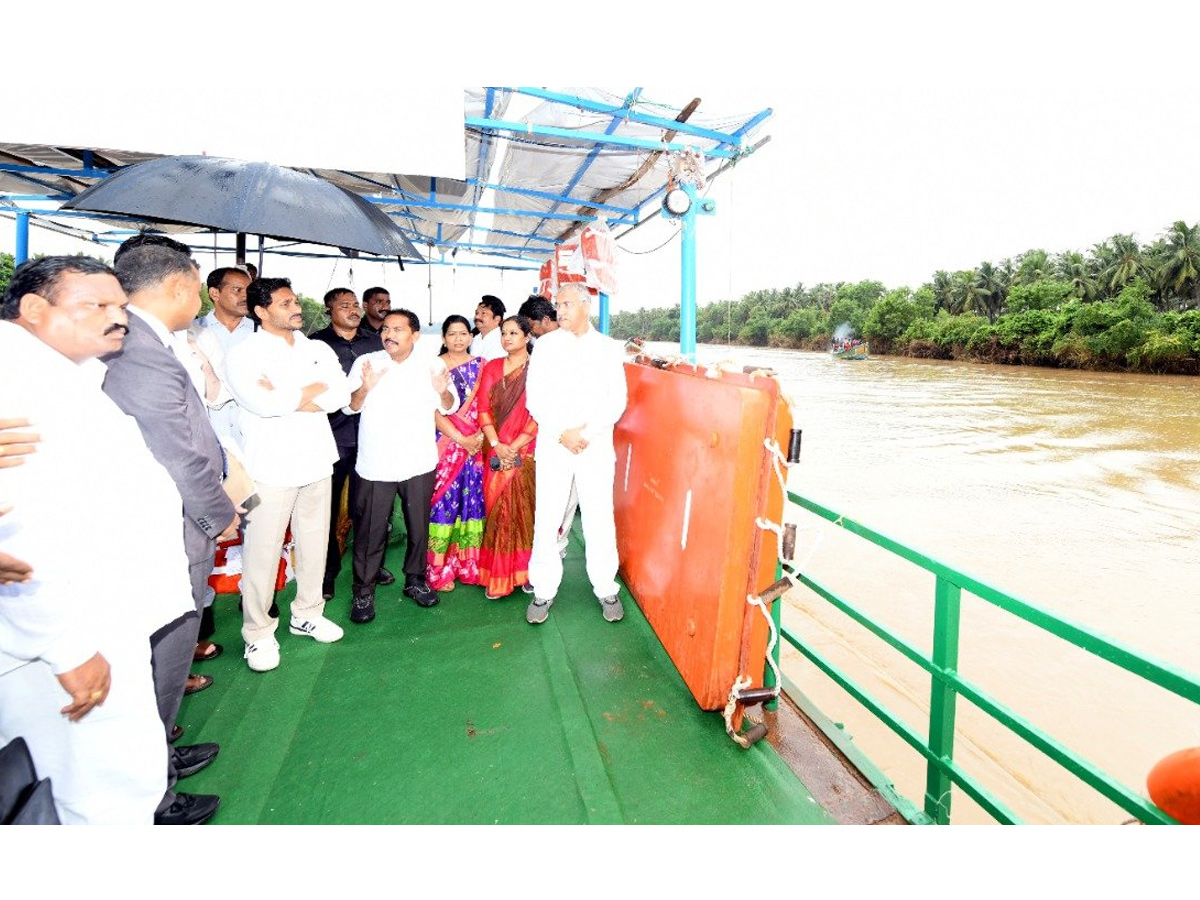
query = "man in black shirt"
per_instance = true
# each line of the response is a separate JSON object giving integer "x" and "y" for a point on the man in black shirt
{"x": 376, "y": 304}
{"x": 350, "y": 338}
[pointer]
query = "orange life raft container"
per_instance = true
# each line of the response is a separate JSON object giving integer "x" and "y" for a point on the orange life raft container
{"x": 693, "y": 475}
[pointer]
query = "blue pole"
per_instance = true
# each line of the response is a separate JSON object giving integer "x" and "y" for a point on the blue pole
{"x": 22, "y": 237}
{"x": 603, "y": 313}
{"x": 687, "y": 283}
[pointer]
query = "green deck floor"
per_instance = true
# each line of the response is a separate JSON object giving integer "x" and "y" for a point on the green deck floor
{"x": 466, "y": 714}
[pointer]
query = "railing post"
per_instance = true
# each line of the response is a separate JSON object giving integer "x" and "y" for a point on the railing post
{"x": 943, "y": 698}
{"x": 777, "y": 618}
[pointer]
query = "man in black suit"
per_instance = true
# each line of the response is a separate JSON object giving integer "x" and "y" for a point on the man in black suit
{"x": 149, "y": 380}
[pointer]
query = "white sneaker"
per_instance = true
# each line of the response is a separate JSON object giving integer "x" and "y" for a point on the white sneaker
{"x": 263, "y": 655}
{"x": 319, "y": 628}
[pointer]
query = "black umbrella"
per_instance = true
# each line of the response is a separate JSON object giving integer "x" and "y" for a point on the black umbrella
{"x": 246, "y": 198}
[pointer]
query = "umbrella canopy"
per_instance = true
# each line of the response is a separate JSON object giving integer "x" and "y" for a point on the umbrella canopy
{"x": 246, "y": 198}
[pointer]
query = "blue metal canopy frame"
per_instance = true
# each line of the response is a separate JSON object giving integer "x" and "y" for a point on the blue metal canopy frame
{"x": 445, "y": 218}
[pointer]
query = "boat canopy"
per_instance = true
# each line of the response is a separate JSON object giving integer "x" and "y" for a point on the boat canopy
{"x": 540, "y": 165}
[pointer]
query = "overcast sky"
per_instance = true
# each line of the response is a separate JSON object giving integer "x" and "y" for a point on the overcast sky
{"x": 905, "y": 138}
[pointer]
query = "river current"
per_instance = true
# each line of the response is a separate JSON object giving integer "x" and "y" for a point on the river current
{"x": 1078, "y": 492}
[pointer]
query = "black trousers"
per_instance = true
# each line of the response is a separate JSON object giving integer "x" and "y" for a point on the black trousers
{"x": 343, "y": 471}
{"x": 171, "y": 649}
{"x": 373, "y": 512}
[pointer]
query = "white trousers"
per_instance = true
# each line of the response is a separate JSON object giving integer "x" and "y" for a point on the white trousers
{"x": 307, "y": 509}
{"x": 592, "y": 471}
{"x": 110, "y": 767}
{"x": 568, "y": 520}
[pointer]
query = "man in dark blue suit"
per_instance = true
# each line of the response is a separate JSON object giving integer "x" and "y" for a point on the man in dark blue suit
{"x": 149, "y": 380}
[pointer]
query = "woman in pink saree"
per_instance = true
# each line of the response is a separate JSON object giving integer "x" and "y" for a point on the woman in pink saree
{"x": 509, "y": 478}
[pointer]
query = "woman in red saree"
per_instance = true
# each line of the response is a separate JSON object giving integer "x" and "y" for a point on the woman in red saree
{"x": 508, "y": 475}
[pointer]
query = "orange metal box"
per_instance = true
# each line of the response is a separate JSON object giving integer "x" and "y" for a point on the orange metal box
{"x": 692, "y": 476}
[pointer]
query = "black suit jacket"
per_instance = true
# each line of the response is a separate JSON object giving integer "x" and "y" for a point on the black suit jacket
{"x": 148, "y": 382}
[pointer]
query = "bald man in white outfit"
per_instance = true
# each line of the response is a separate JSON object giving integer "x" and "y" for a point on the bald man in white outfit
{"x": 576, "y": 392}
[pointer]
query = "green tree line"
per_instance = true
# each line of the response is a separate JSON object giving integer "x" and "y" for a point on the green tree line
{"x": 1118, "y": 306}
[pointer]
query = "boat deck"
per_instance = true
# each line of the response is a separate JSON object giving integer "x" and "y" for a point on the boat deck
{"x": 465, "y": 714}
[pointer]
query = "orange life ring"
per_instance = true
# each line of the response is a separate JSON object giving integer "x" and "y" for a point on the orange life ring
{"x": 1174, "y": 785}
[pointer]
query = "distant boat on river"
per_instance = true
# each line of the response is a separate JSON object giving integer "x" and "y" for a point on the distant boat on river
{"x": 852, "y": 349}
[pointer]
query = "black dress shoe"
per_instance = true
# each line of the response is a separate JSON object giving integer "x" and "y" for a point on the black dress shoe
{"x": 363, "y": 610}
{"x": 189, "y": 809}
{"x": 384, "y": 578}
{"x": 176, "y": 733}
{"x": 191, "y": 759}
{"x": 421, "y": 593}
{"x": 327, "y": 591}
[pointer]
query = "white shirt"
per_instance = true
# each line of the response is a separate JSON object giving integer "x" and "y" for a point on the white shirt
{"x": 215, "y": 342}
{"x": 396, "y": 434}
{"x": 95, "y": 514}
{"x": 283, "y": 446}
{"x": 576, "y": 380}
{"x": 186, "y": 351}
{"x": 488, "y": 345}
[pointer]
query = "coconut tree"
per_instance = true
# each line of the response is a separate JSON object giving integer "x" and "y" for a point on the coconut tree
{"x": 1179, "y": 272}
{"x": 966, "y": 296}
{"x": 991, "y": 285}
{"x": 1072, "y": 267}
{"x": 943, "y": 290}
{"x": 1120, "y": 261}
{"x": 1032, "y": 265}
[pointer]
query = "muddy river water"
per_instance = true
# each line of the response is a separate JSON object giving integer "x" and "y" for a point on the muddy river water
{"x": 1078, "y": 492}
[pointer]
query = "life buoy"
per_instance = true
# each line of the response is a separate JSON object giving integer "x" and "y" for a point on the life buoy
{"x": 1174, "y": 785}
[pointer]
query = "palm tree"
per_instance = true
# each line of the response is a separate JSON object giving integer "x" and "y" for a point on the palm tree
{"x": 1120, "y": 261}
{"x": 966, "y": 296}
{"x": 991, "y": 285}
{"x": 1032, "y": 265}
{"x": 1179, "y": 273}
{"x": 943, "y": 290}
{"x": 1073, "y": 268}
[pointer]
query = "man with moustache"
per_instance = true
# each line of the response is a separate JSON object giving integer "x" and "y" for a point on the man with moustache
{"x": 286, "y": 384}
{"x": 75, "y": 659}
{"x": 396, "y": 393}
{"x": 488, "y": 316}
{"x": 348, "y": 341}
{"x": 218, "y": 332}
{"x": 149, "y": 380}
{"x": 376, "y": 303}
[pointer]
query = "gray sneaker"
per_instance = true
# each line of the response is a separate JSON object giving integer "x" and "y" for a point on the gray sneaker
{"x": 612, "y": 608}
{"x": 538, "y": 610}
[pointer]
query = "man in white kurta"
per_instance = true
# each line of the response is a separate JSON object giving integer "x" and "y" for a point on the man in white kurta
{"x": 99, "y": 520}
{"x": 396, "y": 392}
{"x": 576, "y": 392}
{"x": 285, "y": 385}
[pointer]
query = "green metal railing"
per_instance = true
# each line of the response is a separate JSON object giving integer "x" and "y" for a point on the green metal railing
{"x": 946, "y": 685}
